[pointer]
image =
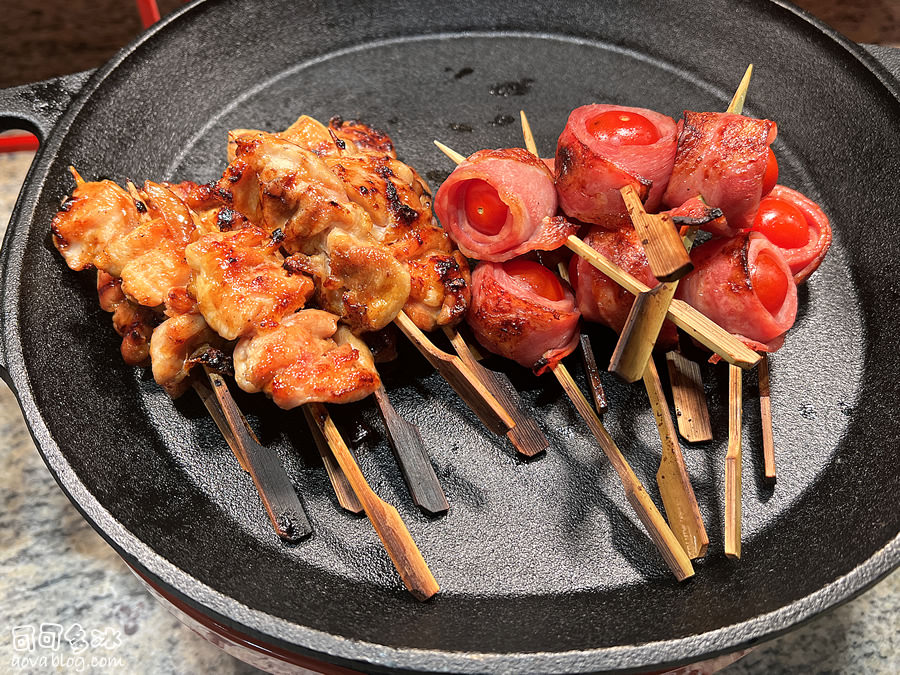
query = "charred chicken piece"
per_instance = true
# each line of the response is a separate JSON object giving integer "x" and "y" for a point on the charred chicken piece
{"x": 240, "y": 283}
{"x": 96, "y": 214}
{"x": 398, "y": 202}
{"x": 281, "y": 186}
{"x": 306, "y": 358}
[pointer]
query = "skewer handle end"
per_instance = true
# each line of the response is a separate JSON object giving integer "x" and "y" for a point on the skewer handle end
{"x": 661, "y": 534}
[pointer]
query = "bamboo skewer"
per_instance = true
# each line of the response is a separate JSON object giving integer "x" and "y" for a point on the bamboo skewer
{"x": 587, "y": 352}
{"x": 733, "y": 466}
{"x": 460, "y": 377}
{"x": 530, "y": 145}
{"x": 645, "y": 320}
{"x": 672, "y": 477}
{"x": 526, "y": 436}
{"x": 390, "y": 528}
{"x": 451, "y": 153}
{"x": 662, "y": 536}
{"x": 690, "y": 399}
{"x": 272, "y": 483}
{"x": 665, "y": 251}
{"x": 695, "y": 324}
{"x": 736, "y": 106}
{"x": 589, "y": 361}
{"x": 208, "y": 397}
{"x": 765, "y": 410}
{"x": 412, "y": 458}
{"x": 342, "y": 490}
{"x": 765, "y": 404}
{"x": 275, "y": 489}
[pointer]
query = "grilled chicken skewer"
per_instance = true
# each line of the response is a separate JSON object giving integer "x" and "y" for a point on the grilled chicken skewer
{"x": 359, "y": 222}
{"x": 278, "y": 496}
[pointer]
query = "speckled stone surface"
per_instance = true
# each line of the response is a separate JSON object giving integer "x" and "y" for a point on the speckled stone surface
{"x": 54, "y": 569}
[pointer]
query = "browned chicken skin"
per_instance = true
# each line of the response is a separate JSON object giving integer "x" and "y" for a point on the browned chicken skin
{"x": 94, "y": 215}
{"x": 240, "y": 283}
{"x": 306, "y": 358}
{"x": 350, "y": 215}
{"x": 281, "y": 186}
{"x": 398, "y": 204}
{"x": 134, "y": 323}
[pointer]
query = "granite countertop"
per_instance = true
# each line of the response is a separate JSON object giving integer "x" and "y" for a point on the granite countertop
{"x": 58, "y": 577}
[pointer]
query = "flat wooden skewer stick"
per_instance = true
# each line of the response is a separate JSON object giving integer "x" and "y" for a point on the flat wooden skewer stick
{"x": 390, "y": 528}
{"x": 275, "y": 489}
{"x": 645, "y": 319}
{"x": 672, "y": 477}
{"x": 342, "y": 490}
{"x": 690, "y": 398}
{"x": 460, "y": 377}
{"x": 206, "y": 394}
{"x": 657, "y": 232}
{"x": 680, "y": 313}
{"x": 662, "y": 536}
{"x": 695, "y": 324}
{"x": 765, "y": 409}
{"x": 526, "y": 436}
{"x": 412, "y": 458}
{"x": 589, "y": 361}
{"x": 733, "y": 465}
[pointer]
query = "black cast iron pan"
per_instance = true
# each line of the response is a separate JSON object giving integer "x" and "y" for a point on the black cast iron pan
{"x": 543, "y": 565}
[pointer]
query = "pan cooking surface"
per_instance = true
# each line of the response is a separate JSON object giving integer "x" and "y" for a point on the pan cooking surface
{"x": 539, "y": 556}
{"x": 569, "y": 502}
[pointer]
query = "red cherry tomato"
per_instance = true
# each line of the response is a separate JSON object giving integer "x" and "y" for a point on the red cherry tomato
{"x": 624, "y": 128}
{"x": 537, "y": 277}
{"x": 782, "y": 222}
{"x": 485, "y": 211}
{"x": 770, "y": 177}
{"x": 769, "y": 281}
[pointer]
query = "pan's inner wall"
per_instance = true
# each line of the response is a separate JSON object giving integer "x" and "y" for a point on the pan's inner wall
{"x": 540, "y": 556}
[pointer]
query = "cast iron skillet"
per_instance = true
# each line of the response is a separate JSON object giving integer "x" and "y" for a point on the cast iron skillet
{"x": 543, "y": 565}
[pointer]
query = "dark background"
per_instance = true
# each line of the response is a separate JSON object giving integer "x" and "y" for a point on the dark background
{"x": 45, "y": 38}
